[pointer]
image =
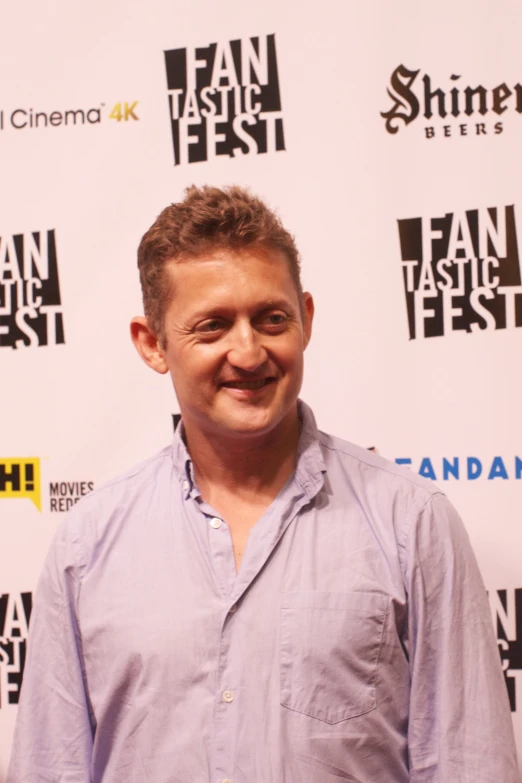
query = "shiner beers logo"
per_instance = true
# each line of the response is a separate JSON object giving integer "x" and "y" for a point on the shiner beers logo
{"x": 449, "y": 106}
{"x": 224, "y": 99}
{"x": 15, "y": 613}
{"x": 30, "y": 303}
{"x": 461, "y": 272}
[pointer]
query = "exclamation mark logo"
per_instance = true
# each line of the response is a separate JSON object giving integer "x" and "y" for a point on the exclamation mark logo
{"x": 29, "y": 477}
{"x": 20, "y": 478}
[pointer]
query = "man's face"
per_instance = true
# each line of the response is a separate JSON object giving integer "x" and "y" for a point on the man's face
{"x": 235, "y": 336}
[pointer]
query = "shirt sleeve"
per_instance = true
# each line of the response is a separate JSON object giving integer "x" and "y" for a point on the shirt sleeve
{"x": 460, "y": 728}
{"x": 54, "y": 730}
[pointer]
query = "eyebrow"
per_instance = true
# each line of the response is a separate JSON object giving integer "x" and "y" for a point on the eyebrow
{"x": 269, "y": 304}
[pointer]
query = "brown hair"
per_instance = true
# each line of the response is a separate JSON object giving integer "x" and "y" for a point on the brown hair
{"x": 208, "y": 218}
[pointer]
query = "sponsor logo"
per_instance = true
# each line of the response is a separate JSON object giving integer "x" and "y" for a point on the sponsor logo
{"x": 20, "y": 478}
{"x": 465, "y": 468}
{"x": 30, "y": 304}
{"x": 506, "y": 612}
{"x": 15, "y": 613}
{"x": 461, "y": 272}
{"x": 450, "y": 108}
{"x": 26, "y": 118}
{"x": 224, "y": 99}
{"x": 64, "y": 494}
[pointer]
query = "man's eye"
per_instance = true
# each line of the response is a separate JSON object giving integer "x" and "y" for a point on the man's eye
{"x": 275, "y": 319}
{"x": 209, "y": 327}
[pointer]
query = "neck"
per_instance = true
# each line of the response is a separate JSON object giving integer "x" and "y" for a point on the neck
{"x": 245, "y": 466}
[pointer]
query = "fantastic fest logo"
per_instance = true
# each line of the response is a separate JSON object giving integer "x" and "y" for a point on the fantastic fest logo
{"x": 506, "y": 612}
{"x": 15, "y": 613}
{"x": 450, "y": 108}
{"x": 20, "y": 478}
{"x": 30, "y": 304}
{"x": 224, "y": 99}
{"x": 461, "y": 272}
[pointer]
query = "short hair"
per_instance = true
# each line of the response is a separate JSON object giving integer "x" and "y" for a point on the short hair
{"x": 208, "y": 218}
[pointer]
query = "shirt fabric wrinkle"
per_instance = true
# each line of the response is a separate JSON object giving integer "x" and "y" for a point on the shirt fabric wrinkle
{"x": 311, "y": 664}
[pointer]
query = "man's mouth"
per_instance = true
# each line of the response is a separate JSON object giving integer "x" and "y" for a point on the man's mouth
{"x": 252, "y": 385}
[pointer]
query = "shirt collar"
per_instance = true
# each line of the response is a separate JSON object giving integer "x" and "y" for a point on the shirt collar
{"x": 310, "y": 468}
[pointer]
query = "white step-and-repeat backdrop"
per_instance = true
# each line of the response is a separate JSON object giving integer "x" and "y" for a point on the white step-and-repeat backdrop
{"x": 387, "y": 135}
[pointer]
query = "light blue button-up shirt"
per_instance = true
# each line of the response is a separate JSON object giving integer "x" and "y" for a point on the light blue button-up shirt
{"x": 355, "y": 643}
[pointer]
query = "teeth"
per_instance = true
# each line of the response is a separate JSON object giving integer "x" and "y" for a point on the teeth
{"x": 251, "y": 385}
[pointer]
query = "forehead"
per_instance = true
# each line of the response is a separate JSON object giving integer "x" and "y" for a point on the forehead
{"x": 224, "y": 272}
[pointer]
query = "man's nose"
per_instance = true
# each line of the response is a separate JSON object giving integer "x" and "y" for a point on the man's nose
{"x": 246, "y": 349}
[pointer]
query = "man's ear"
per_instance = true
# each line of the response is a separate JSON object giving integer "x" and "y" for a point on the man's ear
{"x": 147, "y": 344}
{"x": 308, "y": 316}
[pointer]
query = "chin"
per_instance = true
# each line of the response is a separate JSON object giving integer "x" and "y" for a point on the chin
{"x": 250, "y": 423}
{"x": 246, "y": 427}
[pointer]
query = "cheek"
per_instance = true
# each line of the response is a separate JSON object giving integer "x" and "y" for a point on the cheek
{"x": 290, "y": 353}
{"x": 195, "y": 364}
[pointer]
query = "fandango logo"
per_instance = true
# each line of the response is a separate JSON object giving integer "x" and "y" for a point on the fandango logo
{"x": 452, "y": 106}
{"x": 465, "y": 468}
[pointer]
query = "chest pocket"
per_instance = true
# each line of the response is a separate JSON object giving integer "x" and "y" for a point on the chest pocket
{"x": 330, "y": 646}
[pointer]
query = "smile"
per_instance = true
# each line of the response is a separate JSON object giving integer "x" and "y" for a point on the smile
{"x": 248, "y": 385}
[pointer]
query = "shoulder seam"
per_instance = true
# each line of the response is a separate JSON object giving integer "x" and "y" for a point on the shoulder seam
{"x": 431, "y": 492}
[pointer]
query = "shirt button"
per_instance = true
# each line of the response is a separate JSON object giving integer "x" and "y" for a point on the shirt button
{"x": 226, "y": 780}
{"x": 233, "y": 609}
{"x": 228, "y": 696}
{"x": 185, "y": 486}
{"x": 215, "y": 522}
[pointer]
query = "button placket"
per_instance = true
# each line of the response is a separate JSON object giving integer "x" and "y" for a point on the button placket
{"x": 227, "y": 707}
{"x": 221, "y": 553}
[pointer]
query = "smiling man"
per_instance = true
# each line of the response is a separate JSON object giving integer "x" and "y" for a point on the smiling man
{"x": 260, "y": 601}
{"x": 232, "y": 338}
